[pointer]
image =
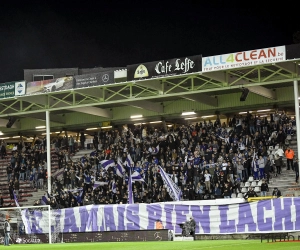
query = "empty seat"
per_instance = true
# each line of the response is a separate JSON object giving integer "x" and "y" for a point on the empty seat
{"x": 250, "y": 179}
{"x": 233, "y": 195}
{"x": 247, "y": 184}
{"x": 244, "y": 190}
{"x": 240, "y": 195}
{"x": 242, "y": 184}
{"x": 259, "y": 183}
{"x": 253, "y": 184}
{"x": 257, "y": 189}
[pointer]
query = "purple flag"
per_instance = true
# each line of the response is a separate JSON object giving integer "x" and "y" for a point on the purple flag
{"x": 130, "y": 195}
{"x": 136, "y": 176}
{"x": 119, "y": 169}
{"x": 129, "y": 162}
{"x": 16, "y": 199}
{"x": 99, "y": 183}
{"x": 106, "y": 164}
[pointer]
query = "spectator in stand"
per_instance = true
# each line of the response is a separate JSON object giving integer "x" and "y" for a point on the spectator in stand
{"x": 82, "y": 139}
{"x": 264, "y": 188}
{"x": 9, "y": 171}
{"x": 276, "y": 192}
{"x": 17, "y": 188}
{"x": 3, "y": 149}
{"x": 227, "y": 191}
{"x": 1, "y": 201}
{"x": 186, "y": 153}
{"x": 261, "y": 165}
{"x": 289, "y": 154}
{"x": 250, "y": 193}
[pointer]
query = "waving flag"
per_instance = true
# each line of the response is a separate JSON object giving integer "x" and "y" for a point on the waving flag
{"x": 99, "y": 183}
{"x": 114, "y": 187}
{"x": 156, "y": 150}
{"x": 58, "y": 174}
{"x": 129, "y": 162}
{"x": 173, "y": 190}
{"x": 253, "y": 164}
{"x": 130, "y": 195}
{"x": 106, "y": 164}
{"x": 119, "y": 169}
{"x": 16, "y": 199}
{"x": 136, "y": 176}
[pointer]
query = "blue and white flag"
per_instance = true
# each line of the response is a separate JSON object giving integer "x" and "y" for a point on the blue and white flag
{"x": 129, "y": 162}
{"x": 114, "y": 187}
{"x": 253, "y": 164}
{"x": 16, "y": 199}
{"x": 99, "y": 183}
{"x": 119, "y": 169}
{"x": 106, "y": 164}
{"x": 130, "y": 195}
{"x": 136, "y": 176}
{"x": 173, "y": 190}
{"x": 58, "y": 174}
{"x": 156, "y": 150}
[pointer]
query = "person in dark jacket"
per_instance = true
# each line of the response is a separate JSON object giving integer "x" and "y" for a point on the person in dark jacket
{"x": 264, "y": 188}
{"x": 276, "y": 193}
{"x": 250, "y": 193}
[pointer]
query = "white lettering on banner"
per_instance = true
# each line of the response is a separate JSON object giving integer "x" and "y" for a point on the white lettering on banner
{"x": 180, "y": 67}
{"x": 184, "y": 66}
{"x": 244, "y": 59}
{"x": 275, "y": 215}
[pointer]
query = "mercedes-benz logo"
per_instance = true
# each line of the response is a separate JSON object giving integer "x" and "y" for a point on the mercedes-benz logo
{"x": 105, "y": 78}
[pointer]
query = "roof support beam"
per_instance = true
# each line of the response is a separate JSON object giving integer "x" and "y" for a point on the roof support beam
{"x": 288, "y": 66}
{"x": 53, "y": 118}
{"x": 218, "y": 76}
{"x": 3, "y": 123}
{"x": 262, "y": 91}
{"x": 202, "y": 98}
{"x": 147, "y": 105}
{"x": 93, "y": 111}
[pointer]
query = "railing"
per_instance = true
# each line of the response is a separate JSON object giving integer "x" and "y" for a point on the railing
{"x": 277, "y": 237}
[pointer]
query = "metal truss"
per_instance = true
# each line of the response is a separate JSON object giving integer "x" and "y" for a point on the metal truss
{"x": 160, "y": 89}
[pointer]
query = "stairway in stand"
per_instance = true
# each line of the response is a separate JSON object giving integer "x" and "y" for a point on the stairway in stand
{"x": 285, "y": 182}
{"x": 39, "y": 193}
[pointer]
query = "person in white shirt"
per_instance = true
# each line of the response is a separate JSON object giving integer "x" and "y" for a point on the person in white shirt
{"x": 261, "y": 165}
{"x": 207, "y": 177}
{"x": 6, "y": 232}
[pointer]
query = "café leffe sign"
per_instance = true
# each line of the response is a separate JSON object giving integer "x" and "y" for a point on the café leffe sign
{"x": 164, "y": 68}
{"x": 244, "y": 59}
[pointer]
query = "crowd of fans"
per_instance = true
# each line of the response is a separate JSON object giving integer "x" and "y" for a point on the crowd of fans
{"x": 205, "y": 160}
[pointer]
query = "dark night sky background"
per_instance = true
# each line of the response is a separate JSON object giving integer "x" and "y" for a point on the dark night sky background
{"x": 55, "y": 34}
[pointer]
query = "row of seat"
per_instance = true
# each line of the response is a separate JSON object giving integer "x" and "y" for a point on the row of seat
{"x": 251, "y": 184}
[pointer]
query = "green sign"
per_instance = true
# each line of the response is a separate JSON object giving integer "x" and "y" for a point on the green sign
{"x": 7, "y": 90}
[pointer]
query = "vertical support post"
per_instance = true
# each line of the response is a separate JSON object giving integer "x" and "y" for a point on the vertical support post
{"x": 48, "y": 151}
{"x": 50, "y": 216}
{"x": 297, "y": 117}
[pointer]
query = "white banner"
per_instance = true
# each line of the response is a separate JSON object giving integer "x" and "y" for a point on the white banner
{"x": 265, "y": 216}
{"x": 244, "y": 59}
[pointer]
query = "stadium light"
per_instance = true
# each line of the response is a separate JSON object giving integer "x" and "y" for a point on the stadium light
{"x": 156, "y": 122}
{"x": 136, "y": 116}
{"x": 91, "y": 128}
{"x": 263, "y": 110}
{"x": 188, "y": 113}
{"x": 38, "y": 127}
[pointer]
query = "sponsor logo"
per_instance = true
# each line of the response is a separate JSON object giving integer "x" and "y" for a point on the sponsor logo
{"x": 105, "y": 78}
{"x": 20, "y": 88}
{"x": 141, "y": 72}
